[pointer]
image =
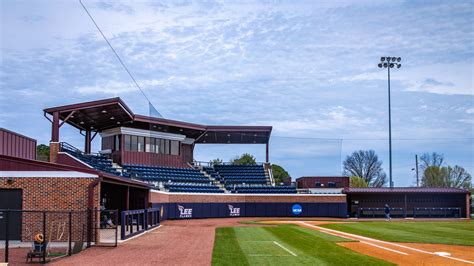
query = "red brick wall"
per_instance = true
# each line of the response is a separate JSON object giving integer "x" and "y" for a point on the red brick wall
{"x": 53, "y": 194}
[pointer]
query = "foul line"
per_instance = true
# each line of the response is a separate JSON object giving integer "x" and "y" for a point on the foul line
{"x": 327, "y": 230}
{"x": 289, "y": 251}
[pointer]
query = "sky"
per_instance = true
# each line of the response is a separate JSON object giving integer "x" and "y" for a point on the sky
{"x": 307, "y": 68}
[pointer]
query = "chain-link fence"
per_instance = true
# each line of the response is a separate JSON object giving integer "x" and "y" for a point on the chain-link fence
{"x": 42, "y": 236}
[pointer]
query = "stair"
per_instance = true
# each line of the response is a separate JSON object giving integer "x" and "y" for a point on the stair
{"x": 268, "y": 174}
{"x": 214, "y": 181}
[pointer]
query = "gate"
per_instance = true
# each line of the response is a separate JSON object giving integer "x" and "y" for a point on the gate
{"x": 49, "y": 235}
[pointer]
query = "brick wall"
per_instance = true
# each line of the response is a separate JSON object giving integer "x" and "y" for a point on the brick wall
{"x": 53, "y": 194}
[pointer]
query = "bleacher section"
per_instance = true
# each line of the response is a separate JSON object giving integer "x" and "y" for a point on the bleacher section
{"x": 96, "y": 161}
{"x": 246, "y": 179}
{"x": 235, "y": 178}
{"x": 192, "y": 188}
{"x": 173, "y": 179}
{"x": 261, "y": 189}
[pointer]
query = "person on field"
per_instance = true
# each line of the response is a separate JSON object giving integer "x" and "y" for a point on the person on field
{"x": 387, "y": 213}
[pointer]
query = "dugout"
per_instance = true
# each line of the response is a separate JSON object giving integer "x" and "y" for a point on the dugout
{"x": 421, "y": 202}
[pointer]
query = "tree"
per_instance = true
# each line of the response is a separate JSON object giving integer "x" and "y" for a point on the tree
{"x": 356, "y": 181}
{"x": 244, "y": 159}
{"x": 447, "y": 176}
{"x": 433, "y": 176}
{"x": 279, "y": 174}
{"x": 216, "y": 161}
{"x": 433, "y": 159}
{"x": 366, "y": 165}
{"x": 42, "y": 152}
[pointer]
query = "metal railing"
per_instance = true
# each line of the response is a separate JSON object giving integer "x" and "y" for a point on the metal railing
{"x": 380, "y": 212}
{"x": 134, "y": 222}
{"x": 210, "y": 164}
{"x": 437, "y": 212}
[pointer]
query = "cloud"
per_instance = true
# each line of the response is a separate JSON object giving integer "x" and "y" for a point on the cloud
{"x": 309, "y": 69}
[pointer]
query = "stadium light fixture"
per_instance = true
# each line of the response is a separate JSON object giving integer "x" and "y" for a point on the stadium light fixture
{"x": 392, "y": 62}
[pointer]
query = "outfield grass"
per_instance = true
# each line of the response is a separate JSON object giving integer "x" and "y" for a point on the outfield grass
{"x": 283, "y": 245}
{"x": 451, "y": 233}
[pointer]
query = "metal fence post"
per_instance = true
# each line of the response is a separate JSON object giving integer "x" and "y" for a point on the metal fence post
{"x": 45, "y": 240}
{"x": 89, "y": 227}
{"x": 145, "y": 219}
{"x": 123, "y": 225}
{"x": 116, "y": 226}
{"x": 7, "y": 225}
{"x": 70, "y": 234}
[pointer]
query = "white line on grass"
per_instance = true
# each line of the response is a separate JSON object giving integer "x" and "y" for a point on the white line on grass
{"x": 367, "y": 243}
{"x": 322, "y": 229}
{"x": 287, "y": 250}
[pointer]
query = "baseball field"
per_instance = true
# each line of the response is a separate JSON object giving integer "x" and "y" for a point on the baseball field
{"x": 245, "y": 241}
{"x": 346, "y": 243}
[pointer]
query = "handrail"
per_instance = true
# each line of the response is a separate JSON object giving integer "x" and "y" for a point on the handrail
{"x": 66, "y": 146}
{"x": 210, "y": 164}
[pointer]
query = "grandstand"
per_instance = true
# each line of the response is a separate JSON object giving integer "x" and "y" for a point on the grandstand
{"x": 159, "y": 151}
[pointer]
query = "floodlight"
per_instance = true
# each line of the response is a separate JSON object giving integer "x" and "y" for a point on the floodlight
{"x": 389, "y": 62}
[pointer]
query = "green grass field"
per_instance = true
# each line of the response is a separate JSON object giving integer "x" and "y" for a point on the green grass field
{"x": 451, "y": 233}
{"x": 283, "y": 245}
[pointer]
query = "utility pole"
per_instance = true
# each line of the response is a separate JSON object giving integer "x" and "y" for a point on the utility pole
{"x": 416, "y": 167}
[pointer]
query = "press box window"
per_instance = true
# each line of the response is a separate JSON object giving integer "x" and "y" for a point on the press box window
{"x": 174, "y": 147}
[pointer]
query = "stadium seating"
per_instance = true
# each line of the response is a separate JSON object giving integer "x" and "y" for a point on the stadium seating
{"x": 261, "y": 189}
{"x": 174, "y": 179}
{"x": 246, "y": 179}
{"x": 241, "y": 174}
{"x": 193, "y": 188}
{"x": 96, "y": 161}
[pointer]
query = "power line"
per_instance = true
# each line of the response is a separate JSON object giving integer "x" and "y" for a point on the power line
{"x": 118, "y": 57}
{"x": 361, "y": 139}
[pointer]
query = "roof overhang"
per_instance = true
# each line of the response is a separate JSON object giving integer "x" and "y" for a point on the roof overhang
{"x": 94, "y": 115}
{"x": 236, "y": 135}
{"x": 112, "y": 113}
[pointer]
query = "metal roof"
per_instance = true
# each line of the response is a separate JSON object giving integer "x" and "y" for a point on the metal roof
{"x": 404, "y": 190}
{"x": 109, "y": 113}
{"x": 8, "y": 163}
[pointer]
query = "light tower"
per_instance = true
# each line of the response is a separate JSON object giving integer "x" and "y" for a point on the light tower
{"x": 388, "y": 63}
